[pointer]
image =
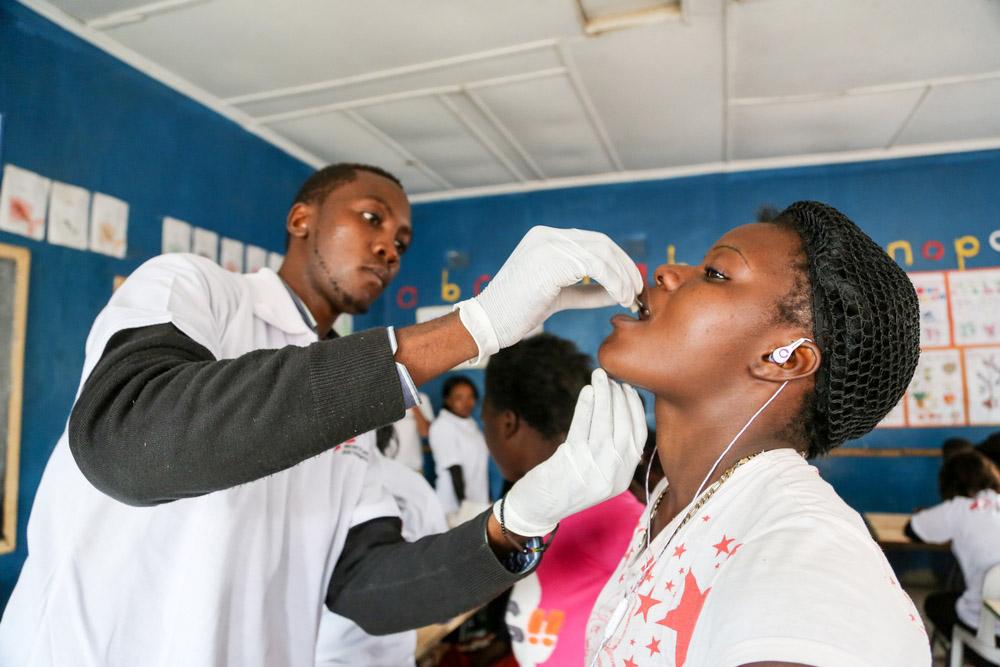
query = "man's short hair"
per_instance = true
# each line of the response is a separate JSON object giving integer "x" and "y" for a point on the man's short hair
{"x": 331, "y": 177}
{"x": 539, "y": 380}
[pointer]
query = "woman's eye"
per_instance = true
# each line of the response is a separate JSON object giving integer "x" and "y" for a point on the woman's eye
{"x": 373, "y": 218}
{"x": 712, "y": 274}
{"x": 401, "y": 247}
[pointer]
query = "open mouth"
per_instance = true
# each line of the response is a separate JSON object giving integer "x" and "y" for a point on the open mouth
{"x": 642, "y": 305}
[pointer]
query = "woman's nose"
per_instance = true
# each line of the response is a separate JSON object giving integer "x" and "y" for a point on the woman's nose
{"x": 670, "y": 276}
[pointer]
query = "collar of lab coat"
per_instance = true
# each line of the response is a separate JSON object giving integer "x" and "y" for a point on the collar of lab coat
{"x": 273, "y": 304}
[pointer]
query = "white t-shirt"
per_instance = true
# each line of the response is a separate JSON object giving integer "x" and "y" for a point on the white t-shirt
{"x": 410, "y": 451}
{"x": 774, "y": 567}
{"x": 232, "y": 577}
{"x": 343, "y": 642}
{"x": 973, "y": 526}
{"x": 458, "y": 441}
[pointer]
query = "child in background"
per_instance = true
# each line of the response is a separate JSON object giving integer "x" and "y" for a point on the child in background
{"x": 460, "y": 454}
{"x": 531, "y": 392}
{"x": 969, "y": 518}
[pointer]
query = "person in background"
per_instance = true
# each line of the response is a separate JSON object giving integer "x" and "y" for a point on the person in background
{"x": 342, "y": 641}
{"x": 407, "y": 446}
{"x": 969, "y": 518}
{"x": 531, "y": 391}
{"x": 460, "y": 454}
{"x": 953, "y": 446}
{"x": 990, "y": 448}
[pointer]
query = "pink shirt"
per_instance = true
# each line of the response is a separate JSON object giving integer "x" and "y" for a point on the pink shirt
{"x": 548, "y": 611}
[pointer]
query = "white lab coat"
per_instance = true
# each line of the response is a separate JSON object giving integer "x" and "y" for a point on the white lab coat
{"x": 458, "y": 441}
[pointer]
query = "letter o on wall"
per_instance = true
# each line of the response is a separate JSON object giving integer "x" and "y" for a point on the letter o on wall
{"x": 933, "y": 250}
{"x": 406, "y": 297}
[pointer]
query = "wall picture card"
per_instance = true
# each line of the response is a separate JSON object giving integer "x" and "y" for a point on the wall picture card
{"x": 176, "y": 235}
{"x": 936, "y": 396}
{"x": 69, "y": 214}
{"x": 108, "y": 225}
{"x": 205, "y": 242}
{"x": 935, "y": 320}
{"x": 231, "y": 255}
{"x": 24, "y": 199}
{"x": 975, "y": 306}
{"x": 982, "y": 378}
{"x": 256, "y": 259}
{"x": 274, "y": 260}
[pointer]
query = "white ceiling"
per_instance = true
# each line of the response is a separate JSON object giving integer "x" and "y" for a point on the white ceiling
{"x": 459, "y": 94}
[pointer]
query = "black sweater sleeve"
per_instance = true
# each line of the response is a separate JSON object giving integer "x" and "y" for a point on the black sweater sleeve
{"x": 159, "y": 418}
{"x": 386, "y": 585}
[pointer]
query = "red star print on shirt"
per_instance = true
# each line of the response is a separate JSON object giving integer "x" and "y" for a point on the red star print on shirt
{"x": 653, "y": 646}
{"x": 679, "y": 550}
{"x": 646, "y": 602}
{"x": 629, "y": 663}
{"x": 723, "y": 546}
{"x": 683, "y": 618}
{"x": 669, "y": 585}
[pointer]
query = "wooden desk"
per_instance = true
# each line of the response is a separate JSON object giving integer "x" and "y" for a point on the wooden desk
{"x": 887, "y": 529}
{"x": 430, "y": 636}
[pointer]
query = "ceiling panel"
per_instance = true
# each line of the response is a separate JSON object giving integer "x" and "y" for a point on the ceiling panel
{"x": 433, "y": 135}
{"x": 336, "y": 138}
{"x": 791, "y": 47}
{"x": 87, "y": 10}
{"x": 232, "y": 47}
{"x": 465, "y": 73}
{"x": 547, "y": 118}
{"x": 659, "y": 90}
{"x": 827, "y": 126}
{"x": 956, "y": 113}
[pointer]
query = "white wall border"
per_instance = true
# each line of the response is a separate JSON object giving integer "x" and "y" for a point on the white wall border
{"x": 665, "y": 173}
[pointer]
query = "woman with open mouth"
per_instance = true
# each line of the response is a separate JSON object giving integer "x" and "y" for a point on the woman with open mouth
{"x": 788, "y": 339}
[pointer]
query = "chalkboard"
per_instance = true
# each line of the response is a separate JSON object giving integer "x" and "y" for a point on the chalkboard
{"x": 14, "y": 264}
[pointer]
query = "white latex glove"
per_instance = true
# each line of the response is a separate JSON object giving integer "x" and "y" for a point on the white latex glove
{"x": 540, "y": 278}
{"x": 595, "y": 463}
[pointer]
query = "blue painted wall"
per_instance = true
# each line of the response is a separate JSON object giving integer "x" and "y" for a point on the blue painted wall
{"x": 932, "y": 198}
{"x": 73, "y": 113}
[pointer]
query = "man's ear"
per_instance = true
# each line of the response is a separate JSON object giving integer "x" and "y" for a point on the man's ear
{"x": 510, "y": 424}
{"x": 805, "y": 361}
{"x": 300, "y": 219}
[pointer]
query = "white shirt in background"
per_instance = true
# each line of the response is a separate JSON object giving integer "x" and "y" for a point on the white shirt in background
{"x": 774, "y": 567}
{"x": 343, "y": 642}
{"x": 973, "y": 526}
{"x": 458, "y": 441}
{"x": 410, "y": 449}
{"x": 233, "y": 577}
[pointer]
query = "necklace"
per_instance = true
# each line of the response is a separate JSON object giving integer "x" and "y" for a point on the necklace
{"x": 709, "y": 492}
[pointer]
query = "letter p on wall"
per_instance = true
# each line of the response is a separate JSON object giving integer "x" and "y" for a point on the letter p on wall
{"x": 966, "y": 247}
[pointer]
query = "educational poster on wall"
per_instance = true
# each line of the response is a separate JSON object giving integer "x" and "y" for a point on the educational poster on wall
{"x": 935, "y": 323}
{"x": 896, "y": 417}
{"x": 936, "y": 396}
{"x": 975, "y": 305}
{"x": 205, "y": 243}
{"x": 256, "y": 259}
{"x": 176, "y": 235}
{"x": 24, "y": 198}
{"x": 231, "y": 255}
{"x": 108, "y": 225}
{"x": 274, "y": 260}
{"x": 69, "y": 207}
{"x": 14, "y": 267}
{"x": 982, "y": 378}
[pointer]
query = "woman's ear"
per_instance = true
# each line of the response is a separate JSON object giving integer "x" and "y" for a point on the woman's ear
{"x": 803, "y": 362}
{"x": 299, "y": 219}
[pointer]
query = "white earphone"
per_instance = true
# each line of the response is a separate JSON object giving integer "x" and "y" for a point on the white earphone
{"x": 782, "y": 354}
